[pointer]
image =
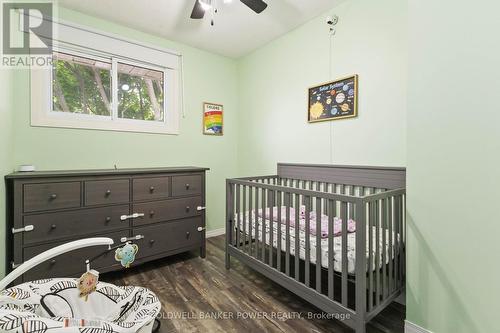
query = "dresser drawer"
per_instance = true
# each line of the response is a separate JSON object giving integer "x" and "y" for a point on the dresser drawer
{"x": 151, "y": 188}
{"x": 105, "y": 192}
{"x": 169, "y": 236}
{"x": 165, "y": 210}
{"x": 39, "y": 197}
{"x": 186, "y": 185}
{"x": 53, "y": 226}
{"x": 72, "y": 263}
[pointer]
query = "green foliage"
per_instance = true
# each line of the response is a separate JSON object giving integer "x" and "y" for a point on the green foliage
{"x": 79, "y": 88}
{"x": 135, "y": 102}
{"x": 76, "y": 89}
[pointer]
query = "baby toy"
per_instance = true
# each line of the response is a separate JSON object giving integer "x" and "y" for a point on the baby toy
{"x": 55, "y": 305}
{"x": 87, "y": 283}
{"x": 126, "y": 254}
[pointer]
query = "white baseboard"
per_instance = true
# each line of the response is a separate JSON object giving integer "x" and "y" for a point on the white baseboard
{"x": 414, "y": 328}
{"x": 215, "y": 232}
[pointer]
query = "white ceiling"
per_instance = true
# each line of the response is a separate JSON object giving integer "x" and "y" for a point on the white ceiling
{"x": 237, "y": 30}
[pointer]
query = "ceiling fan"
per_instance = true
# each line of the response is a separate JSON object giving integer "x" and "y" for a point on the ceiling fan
{"x": 202, "y": 6}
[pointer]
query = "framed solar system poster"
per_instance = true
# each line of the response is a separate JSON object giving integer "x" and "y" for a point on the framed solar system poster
{"x": 333, "y": 100}
{"x": 212, "y": 119}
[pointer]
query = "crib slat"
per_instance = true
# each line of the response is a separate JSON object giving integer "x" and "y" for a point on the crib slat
{"x": 350, "y": 205}
{"x": 345, "y": 272}
{"x": 297, "y": 244}
{"x": 229, "y": 221}
{"x": 398, "y": 233}
{"x": 238, "y": 216}
{"x": 401, "y": 241}
{"x": 304, "y": 186}
{"x": 271, "y": 227}
{"x": 287, "y": 234}
{"x": 308, "y": 242}
{"x": 331, "y": 279}
{"x": 342, "y": 189}
{"x": 278, "y": 252}
{"x": 384, "y": 248}
{"x": 245, "y": 232}
{"x": 396, "y": 242}
{"x": 403, "y": 238}
{"x": 370, "y": 255}
{"x": 318, "y": 243}
{"x": 264, "y": 225}
{"x": 323, "y": 201}
{"x": 377, "y": 252}
{"x": 334, "y": 213}
{"x": 256, "y": 223}
{"x": 391, "y": 239}
{"x": 250, "y": 220}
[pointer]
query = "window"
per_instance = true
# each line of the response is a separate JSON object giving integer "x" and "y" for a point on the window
{"x": 81, "y": 85}
{"x": 98, "y": 81}
{"x": 140, "y": 93}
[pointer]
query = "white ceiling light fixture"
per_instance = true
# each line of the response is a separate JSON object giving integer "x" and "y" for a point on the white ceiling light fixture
{"x": 205, "y": 4}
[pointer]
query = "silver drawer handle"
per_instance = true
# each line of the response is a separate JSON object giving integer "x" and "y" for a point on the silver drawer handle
{"x": 14, "y": 265}
{"x": 133, "y": 216}
{"x": 200, "y": 208}
{"x": 27, "y": 228}
{"x": 127, "y": 239}
{"x": 200, "y": 229}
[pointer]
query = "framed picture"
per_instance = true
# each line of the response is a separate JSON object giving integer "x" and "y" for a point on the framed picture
{"x": 213, "y": 119}
{"x": 333, "y": 100}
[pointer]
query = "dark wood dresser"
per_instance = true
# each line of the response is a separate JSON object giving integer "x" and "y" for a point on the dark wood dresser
{"x": 162, "y": 210}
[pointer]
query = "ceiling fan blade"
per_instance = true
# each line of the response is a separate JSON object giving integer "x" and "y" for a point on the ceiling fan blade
{"x": 197, "y": 12}
{"x": 257, "y": 6}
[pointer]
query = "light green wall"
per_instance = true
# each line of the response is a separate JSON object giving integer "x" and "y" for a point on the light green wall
{"x": 208, "y": 77}
{"x": 370, "y": 41}
{"x": 453, "y": 166}
{"x": 5, "y": 148}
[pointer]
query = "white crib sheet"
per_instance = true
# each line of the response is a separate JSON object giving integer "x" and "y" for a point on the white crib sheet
{"x": 337, "y": 241}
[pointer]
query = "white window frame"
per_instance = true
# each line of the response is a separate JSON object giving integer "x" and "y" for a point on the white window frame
{"x": 89, "y": 44}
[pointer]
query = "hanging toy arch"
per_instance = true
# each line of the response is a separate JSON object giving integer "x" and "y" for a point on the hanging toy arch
{"x": 77, "y": 305}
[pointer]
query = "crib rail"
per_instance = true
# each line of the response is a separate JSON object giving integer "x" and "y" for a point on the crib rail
{"x": 266, "y": 238}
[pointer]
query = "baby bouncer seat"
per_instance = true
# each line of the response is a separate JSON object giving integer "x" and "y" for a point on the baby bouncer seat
{"x": 68, "y": 305}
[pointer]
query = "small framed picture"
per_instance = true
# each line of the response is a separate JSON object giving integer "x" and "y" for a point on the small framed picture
{"x": 213, "y": 119}
{"x": 333, "y": 100}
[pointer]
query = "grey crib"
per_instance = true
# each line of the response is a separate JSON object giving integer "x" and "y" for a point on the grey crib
{"x": 374, "y": 197}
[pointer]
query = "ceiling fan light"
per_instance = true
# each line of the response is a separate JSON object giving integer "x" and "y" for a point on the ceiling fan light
{"x": 205, "y": 4}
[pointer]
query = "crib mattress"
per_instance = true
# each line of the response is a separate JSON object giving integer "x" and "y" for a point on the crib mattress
{"x": 337, "y": 243}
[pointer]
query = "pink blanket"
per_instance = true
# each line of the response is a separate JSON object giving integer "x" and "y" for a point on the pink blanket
{"x": 337, "y": 222}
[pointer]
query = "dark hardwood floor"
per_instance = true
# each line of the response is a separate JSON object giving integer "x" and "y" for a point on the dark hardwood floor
{"x": 200, "y": 295}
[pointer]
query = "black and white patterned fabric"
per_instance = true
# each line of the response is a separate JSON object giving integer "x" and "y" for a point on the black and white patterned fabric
{"x": 54, "y": 305}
